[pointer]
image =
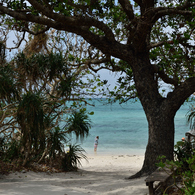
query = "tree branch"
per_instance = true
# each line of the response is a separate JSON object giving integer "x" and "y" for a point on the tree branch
{"x": 100, "y": 68}
{"x": 162, "y": 11}
{"x": 182, "y": 42}
{"x": 74, "y": 20}
{"x": 164, "y": 77}
{"x": 19, "y": 43}
{"x": 183, "y": 91}
{"x": 27, "y": 17}
{"x": 36, "y": 33}
{"x": 127, "y": 7}
{"x": 77, "y": 25}
{"x": 139, "y": 2}
{"x": 80, "y": 26}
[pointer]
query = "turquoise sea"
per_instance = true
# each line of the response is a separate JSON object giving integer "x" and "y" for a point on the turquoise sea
{"x": 123, "y": 129}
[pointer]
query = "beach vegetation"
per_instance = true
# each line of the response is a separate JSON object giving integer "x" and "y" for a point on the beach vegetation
{"x": 182, "y": 169}
{"x": 38, "y": 115}
{"x": 80, "y": 123}
{"x": 72, "y": 160}
{"x": 150, "y": 43}
{"x": 183, "y": 151}
{"x": 191, "y": 117}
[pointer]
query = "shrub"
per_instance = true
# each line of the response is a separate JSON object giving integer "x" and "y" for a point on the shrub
{"x": 183, "y": 168}
{"x": 13, "y": 150}
{"x": 2, "y": 147}
{"x": 183, "y": 151}
{"x": 72, "y": 159}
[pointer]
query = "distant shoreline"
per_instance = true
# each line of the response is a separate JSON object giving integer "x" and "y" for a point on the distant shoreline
{"x": 118, "y": 151}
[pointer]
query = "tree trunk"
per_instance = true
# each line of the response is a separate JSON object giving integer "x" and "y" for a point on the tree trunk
{"x": 160, "y": 114}
{"x": 160, "y": 141}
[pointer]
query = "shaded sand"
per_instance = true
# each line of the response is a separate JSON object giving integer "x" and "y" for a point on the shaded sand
{"x": 102, "y": 175}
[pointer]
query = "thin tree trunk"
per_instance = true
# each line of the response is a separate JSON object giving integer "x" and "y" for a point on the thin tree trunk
{"x": 43, "y": 155}
{"x": 27, "y": 153}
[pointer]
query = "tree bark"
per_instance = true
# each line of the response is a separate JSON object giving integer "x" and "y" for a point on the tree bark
{"x": 160, "y": 141}
{"x": 160, "y": 114}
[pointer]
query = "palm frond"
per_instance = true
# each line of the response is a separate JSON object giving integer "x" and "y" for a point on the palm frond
{"x": 79, "y": 123}
{"x": 7, "y": 88}
{"x": 30, "y": 116}
{"x": 191, "y": 117}
{"x": 72, "y": 159}
{"x": 56, "y": 141}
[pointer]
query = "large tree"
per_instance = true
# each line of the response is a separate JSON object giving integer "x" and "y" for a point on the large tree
{"x": 149, "y": 41}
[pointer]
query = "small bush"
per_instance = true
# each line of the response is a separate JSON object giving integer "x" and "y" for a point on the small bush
{"x": 2, "y": 147}
{"x": 13, "y": 150}
{"x": 183, "y": 168}
{"x": 183, "y": 151}
{"x": 72, "y": 159}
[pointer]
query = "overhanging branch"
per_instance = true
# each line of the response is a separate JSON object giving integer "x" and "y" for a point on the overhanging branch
{"x": 19, "y": 43}
{"x": 36, "y": 33}
{"x": 163, "y": 11}
{"x": 74, "y": 20}
{"x": 127, "y": 7}
{"x": 183, "y": 91}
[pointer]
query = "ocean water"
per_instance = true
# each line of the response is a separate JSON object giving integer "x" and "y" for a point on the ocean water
{"x": 123, "y": 129}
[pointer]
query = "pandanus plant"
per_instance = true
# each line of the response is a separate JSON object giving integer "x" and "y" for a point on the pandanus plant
{"x": 30, "y": 117}
{"x": 191, "y": 117}
{"x": 79, "y": 123}
{"x": 72, "y": 159}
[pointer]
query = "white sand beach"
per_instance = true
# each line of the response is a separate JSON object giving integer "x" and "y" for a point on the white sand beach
{"x": 102, "y": 175}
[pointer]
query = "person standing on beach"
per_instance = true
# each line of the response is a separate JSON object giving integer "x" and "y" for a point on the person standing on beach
{"x": 96, "y": 143}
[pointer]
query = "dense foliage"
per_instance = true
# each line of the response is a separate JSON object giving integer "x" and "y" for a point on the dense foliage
{"x": 183, "y": 169}
{"x": 37, "y": 115}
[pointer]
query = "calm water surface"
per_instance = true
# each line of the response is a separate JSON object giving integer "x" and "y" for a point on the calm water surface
{"x": 123, "y": 129}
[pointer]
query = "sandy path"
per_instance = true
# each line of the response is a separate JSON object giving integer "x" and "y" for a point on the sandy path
{"x": 102, "y": 175}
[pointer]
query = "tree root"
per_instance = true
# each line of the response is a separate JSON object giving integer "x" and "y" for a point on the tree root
{"x": 141, "y": 173}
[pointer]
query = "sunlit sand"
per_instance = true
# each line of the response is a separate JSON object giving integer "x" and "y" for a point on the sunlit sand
{"x": 101, "y": 175}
